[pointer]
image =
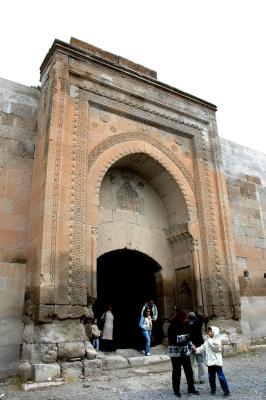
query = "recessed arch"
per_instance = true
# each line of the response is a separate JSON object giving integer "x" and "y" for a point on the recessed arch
{"x": 111, "y": 154}
{"x": 104, "y": 157}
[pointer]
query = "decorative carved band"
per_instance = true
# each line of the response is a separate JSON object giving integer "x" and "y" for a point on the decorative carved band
{"x": 216, "y": 291}
{"x": 77, "y": 236}
{"x": 132, "y": 87}
{"x": 141, "y": 113}
{"x": 56, "y": 185}
{"x": 125, "y": 137}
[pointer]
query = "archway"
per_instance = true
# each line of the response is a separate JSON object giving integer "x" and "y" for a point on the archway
{"x": 126, "y": 279}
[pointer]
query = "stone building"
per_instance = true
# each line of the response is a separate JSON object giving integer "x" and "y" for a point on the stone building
{"x": 115, "y": 188}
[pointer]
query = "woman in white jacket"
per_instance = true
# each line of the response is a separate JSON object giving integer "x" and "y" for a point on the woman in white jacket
{"x": 212, "y": 349}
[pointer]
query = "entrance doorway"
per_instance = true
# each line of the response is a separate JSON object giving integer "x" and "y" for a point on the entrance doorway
{"x": 126, "y": 279}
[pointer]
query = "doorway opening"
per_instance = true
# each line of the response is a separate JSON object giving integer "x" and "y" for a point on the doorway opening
{"x": 126, "y": 279}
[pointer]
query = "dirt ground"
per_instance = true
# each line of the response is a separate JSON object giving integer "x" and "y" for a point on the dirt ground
{"x": 246, "y": 375}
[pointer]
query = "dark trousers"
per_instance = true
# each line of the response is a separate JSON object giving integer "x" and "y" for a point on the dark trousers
{"x": 212, "y": 371}
{"x": 177, "y": 362}
{"x": 106, "y": 345}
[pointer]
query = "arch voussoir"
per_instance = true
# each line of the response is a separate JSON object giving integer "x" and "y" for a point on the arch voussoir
{"x": 105, "y": 156}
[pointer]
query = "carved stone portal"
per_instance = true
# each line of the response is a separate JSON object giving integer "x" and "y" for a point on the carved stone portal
{"x": 122, "y": 162}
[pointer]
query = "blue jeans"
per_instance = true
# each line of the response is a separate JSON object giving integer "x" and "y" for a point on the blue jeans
{"x": 147, "y": 337}
{"x": 213, "y": 370}
{"x": 95, "y": 343}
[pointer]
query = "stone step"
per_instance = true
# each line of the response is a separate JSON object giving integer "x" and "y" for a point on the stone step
{"x": 120, "y": 359}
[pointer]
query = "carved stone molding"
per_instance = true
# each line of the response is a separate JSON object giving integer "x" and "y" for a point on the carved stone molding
{"x": 216, "y": 292}
{"x": 206, "y": 208}
{"x": 146, "y": 114}
{"x": 141, "y": 136}
{"x": 77, "y": 236}
{"x": 132, "y": 87}
{"x": 56, "y": 186}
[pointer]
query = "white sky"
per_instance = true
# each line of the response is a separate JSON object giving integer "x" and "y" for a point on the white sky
{"x": 213, "y": 49}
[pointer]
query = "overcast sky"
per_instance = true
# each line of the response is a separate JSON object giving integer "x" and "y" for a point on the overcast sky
{"x": 213, "y": 49}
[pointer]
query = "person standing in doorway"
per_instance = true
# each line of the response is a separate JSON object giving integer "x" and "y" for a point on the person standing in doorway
{"x": 95, "y": 334}
{"x": 108, "y": 330}
{"x": 153, "y": 308}
{"x": 145, "y": 324}
{"x": 154, "y": 316}
{"x": 180, "y": 348}
{"x": 195, "y": 335}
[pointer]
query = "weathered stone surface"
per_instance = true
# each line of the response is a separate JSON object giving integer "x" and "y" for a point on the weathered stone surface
{"x": 136, "y": 361}
{"x": 160, "y": 349}
{"x": 48, "y": 353}
{"x": 100, "y": 354}
{"x": 28, "y": 334}
{"x": 114, "y": 362}
{"x": 46, "y": 372}
{"x": 164, "y": 358}
{"x": 152, "y": 360}
{"x": 18, "y": 112}
{"x": 127, "y": 353}
{"x": 31, "y": 352}
{"x": 71, "y": 369}
{"x": 60, "y": 332}
{"x": 25, "y": 371}
{"x": 140, "y": 69}
{"x": 91, "y": 353}
{"x": 67, "y": 351}
{"x": 70, "y": 311}
{"x": 34, "y": 386}
{"x": 92, "y": 367}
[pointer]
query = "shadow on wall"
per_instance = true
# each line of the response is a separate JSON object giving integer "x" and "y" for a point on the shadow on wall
{"x": 12, "y": 284}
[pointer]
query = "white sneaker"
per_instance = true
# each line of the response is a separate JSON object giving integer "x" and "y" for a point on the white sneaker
{"x": 148, "y": 354}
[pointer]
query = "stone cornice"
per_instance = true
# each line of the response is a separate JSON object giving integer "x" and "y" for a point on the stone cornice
{"x": 151, "y": 100}
{"x": 61, "y": 47}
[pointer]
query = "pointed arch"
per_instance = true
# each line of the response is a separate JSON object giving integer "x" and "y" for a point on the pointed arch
{"x": 109, "y": 151}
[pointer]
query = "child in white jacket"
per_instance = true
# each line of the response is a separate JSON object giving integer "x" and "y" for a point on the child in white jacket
{"x": 212, "y": 349}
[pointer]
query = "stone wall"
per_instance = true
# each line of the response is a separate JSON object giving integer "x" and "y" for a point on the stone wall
{"x": 18, "y": 116}
{"x": 245, "y": 171}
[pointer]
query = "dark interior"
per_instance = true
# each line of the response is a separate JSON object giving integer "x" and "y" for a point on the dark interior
{"x": 125, "y": 280}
